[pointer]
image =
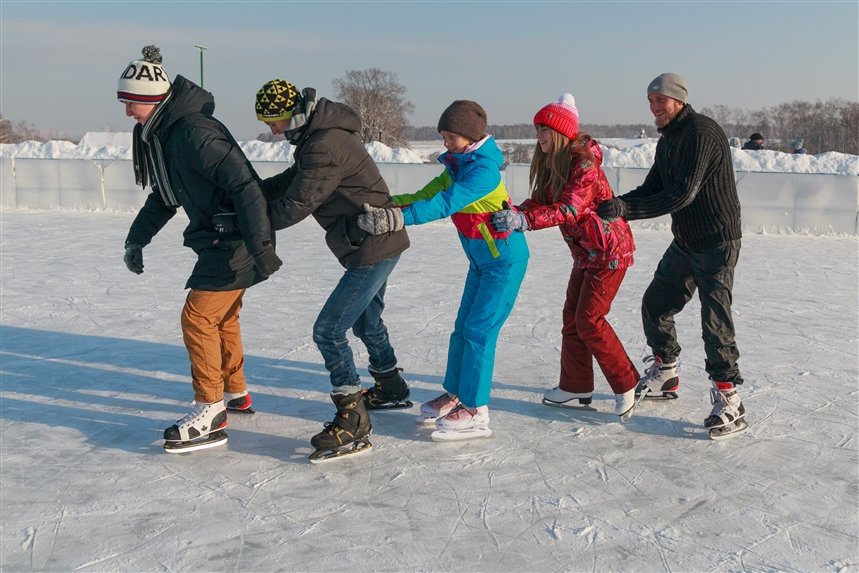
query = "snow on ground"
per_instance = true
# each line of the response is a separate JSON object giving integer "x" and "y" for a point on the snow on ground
{"x": 618, "y": 152}
{"x": 92, "y": 368}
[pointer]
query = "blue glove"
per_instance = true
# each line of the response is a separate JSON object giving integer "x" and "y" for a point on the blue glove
{"x": 509, "y": 220}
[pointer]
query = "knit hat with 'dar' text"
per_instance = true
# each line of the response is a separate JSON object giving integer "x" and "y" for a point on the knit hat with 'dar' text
{"x": 144, "y": 81}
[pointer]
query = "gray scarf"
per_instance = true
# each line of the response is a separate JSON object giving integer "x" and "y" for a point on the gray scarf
{"x": 300, "y": 115}
{"x": 148, "y": 158}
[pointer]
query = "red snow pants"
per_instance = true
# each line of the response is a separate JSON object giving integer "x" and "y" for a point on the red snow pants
{"x": 587, "y": 335}
{"x": 210, "y": 328}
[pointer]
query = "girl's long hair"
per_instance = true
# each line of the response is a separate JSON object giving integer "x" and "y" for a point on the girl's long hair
{"x": 550, "y": 171}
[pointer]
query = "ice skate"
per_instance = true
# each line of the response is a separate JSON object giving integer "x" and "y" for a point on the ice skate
{"x": 348, "y": 434}
{"x": 463, "y": 423}
{"x": 239, "y": 402}
{"x": 389, "y": 393}
{"x": 729, "y": 431}
{"x": 202, "y": 428}
{"x": 660, "y": 381}
{"x": 727, "y": 406}
{"x": 436, "y": 408}
{"x": 624, "y": 404}
{"x": 563, "y": 399}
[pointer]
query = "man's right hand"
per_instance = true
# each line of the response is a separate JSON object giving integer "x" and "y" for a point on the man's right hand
{"x": 612, "y": 209}
{"x": 133, "y": 258}
{"x": 267, "y": 262}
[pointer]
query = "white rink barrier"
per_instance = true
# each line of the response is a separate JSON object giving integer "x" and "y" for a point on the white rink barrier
{"x": 771, "y": 202}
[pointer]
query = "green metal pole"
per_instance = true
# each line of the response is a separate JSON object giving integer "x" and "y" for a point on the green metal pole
{"x": 202, "y": 49}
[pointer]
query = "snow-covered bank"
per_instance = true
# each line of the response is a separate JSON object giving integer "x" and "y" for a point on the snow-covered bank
{"x": 626, "y": 153}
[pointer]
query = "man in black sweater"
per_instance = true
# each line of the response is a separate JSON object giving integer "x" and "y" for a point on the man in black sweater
{"x": 692, "y": 178}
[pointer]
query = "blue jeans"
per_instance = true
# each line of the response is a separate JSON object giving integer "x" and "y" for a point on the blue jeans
{"x": 357, "y": 302}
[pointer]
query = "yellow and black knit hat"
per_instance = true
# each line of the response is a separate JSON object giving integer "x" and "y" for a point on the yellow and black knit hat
{"x": 276, "y": 101}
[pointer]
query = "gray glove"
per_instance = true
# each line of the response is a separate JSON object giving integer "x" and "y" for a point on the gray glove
{"x": 379, "y": 220}
{"x": 133, "y": 258}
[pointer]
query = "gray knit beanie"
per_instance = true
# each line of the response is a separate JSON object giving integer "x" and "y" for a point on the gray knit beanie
{"x": 464, "y": 117}
{"x": 670, "y": 85}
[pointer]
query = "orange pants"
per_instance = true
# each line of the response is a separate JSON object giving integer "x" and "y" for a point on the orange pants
{"x": 210, "y": 328}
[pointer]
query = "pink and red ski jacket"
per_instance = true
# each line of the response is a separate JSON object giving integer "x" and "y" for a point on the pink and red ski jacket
{"x": 595, "y": 243}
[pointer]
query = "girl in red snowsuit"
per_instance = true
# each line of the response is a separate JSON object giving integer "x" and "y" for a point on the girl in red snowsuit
{"x": 567, "y": 183}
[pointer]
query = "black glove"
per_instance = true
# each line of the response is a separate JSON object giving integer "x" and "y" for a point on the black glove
{"x": 612, "y": 209}
{"x": 267, "y": 262}
{"x": 133, "y": 258}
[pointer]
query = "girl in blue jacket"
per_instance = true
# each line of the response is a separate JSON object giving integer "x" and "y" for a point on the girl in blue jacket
{"x": 468, "y": 191}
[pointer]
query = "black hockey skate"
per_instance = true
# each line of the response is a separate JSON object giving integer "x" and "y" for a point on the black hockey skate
{"x": 202, "y": 428}
{"x": 730, "y": 430}
{"x": 660, "y": 381}
{"x": 389, "y": 393}
{"x": 728, "y": 416}
{"x": 211, "y": 440}
{"x": 239, "y": 403}
{"x": 348, "y": 434}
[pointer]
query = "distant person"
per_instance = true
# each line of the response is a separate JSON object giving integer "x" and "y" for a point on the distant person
{"x": 755, "y": 142}
{"x": 692, "y": 178}
{"x": 468, "y": 191}
{"x": 567, "y": 183}
{"x": 332, "y": 176}
{"x": 798, "y": 147}
{"x": 190, "y": 160}
{"x": 643, "y": 134}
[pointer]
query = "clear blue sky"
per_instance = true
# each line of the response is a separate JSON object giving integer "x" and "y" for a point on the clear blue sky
{"x": 60, "y": 61}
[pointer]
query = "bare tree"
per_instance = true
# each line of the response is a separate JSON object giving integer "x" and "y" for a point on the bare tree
{"x": 18, "y": 132}
{"x": 379, "y": 99}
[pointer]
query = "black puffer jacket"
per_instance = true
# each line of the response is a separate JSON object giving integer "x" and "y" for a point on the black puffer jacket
{"x": 693, "y": 179}
{"x": 333, "y": 175}
{"x": 208, "y": 174}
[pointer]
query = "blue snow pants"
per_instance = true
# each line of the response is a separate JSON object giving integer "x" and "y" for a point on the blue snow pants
{"x": 487, "y": 300}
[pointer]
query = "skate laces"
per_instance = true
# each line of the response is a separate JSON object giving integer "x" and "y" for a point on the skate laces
{"x": 461, "y": 412}
{"x": 445, "y": 399}
{"x": 193, "y": 415}
{"x": 723, "y": 403}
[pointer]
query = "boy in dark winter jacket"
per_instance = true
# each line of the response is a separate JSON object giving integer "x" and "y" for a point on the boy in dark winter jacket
{"x": 190, "y": 160}
{"x": 692, "y": 178}
{"x": 333, "y": 175}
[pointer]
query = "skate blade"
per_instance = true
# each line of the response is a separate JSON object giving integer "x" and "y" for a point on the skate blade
{"x": 425, "y": 421}
{"x": 216, "y": 438}
{"x": 651, "y": 397}
{"x": 729, "y": 431}
{"x": 626, "y": 415}
{"x": 355, "y": 449}
{"x": 570, "y": 405}
{"x": 390, "y": 406}
{"x": 459, "y": 435}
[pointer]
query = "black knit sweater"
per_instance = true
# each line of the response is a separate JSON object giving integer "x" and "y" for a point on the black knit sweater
{"x": 692, "y": 178}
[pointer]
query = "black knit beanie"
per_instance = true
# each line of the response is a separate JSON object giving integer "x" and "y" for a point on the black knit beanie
{"x": 465, "y": 118}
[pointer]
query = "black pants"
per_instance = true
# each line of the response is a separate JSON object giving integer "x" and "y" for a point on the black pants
{"x": 679, "y": 274}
